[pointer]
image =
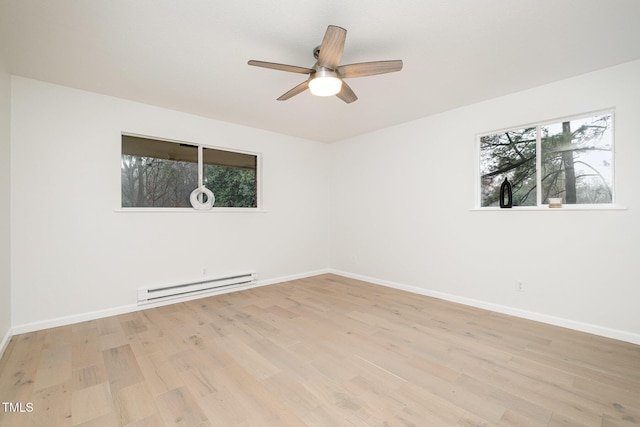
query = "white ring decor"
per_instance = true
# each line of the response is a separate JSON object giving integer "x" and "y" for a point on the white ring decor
{"x": 195, "y": 199}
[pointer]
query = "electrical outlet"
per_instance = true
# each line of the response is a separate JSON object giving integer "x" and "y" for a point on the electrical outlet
{"x": 204, "y": 271}
{"x": 354, "y": 258}
{"x": 519, "y": 286}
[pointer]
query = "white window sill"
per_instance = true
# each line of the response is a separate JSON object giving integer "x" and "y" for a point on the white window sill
{"x": 563, "y": 208}
{"x": 189, "y": 210}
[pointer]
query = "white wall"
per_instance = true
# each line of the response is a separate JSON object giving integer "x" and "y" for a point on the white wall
{"x": 74, "y": 254}
{"x": 5, "y": 195}
{"x": 402, "y": 198}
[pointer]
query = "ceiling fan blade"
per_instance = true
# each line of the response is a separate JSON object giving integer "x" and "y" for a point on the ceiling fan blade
{"x": 296, "y": 90}
{"x": 347, "y": 94}
{"x": 332, "y": 47}
{"x": 363, "y": 69}
{"x": 282, "y": 67}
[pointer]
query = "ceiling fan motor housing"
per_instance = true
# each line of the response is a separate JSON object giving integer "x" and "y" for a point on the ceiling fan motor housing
{"x": 324, "y": 82}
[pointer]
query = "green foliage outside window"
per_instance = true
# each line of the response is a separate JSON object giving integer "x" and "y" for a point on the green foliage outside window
{"x": 232, "y": 187}
{"x": 163, "y": 174}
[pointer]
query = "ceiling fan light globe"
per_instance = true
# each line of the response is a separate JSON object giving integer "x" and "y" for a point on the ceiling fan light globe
{"x": 325, "y": 85}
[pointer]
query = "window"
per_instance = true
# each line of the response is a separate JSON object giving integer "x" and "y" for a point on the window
{"x": 571, "y": 159}
{"x": 156, "y": 173}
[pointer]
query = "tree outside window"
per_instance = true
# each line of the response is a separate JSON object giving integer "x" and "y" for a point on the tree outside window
{"x": 571, "y": 159}
{"x": 156, "y": 173}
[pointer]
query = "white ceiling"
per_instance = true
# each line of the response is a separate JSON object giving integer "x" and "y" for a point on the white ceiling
{"x": 191, "y": 55}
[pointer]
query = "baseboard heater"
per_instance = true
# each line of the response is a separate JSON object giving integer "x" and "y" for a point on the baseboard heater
{"x": 150, "y": 295}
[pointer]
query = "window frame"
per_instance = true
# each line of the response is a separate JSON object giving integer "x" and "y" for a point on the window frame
{"x": 199, "y": 146}
{"x": 613, "y": 205}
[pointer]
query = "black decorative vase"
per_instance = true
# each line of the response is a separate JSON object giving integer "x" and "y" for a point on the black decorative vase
{"x": 506, "y": 193}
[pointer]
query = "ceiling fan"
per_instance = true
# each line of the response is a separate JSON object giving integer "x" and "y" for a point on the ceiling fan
{"x": 326, "y": 76}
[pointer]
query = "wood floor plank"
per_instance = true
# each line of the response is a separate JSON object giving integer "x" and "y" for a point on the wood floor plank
{"x": 55, "y": 366}
{"x": 199, "y": 372}
{"x": 223, "y": 408}
{"x": 91, "y": 402}
{"x": 133, "y": 403}
{"x": 89, "y": 376}
{"x": 122, "y": 367}
{"x": 86, "y": 348}
{"x": 159, "y": 373}
{"x": 294, "y": 394}
{"x": 320, "y": 351}
{"x": 51, "y": 406}
{"x": 178, "y": 407}
{"x": 252, "y": 361}
{"x": 107, "y": 420}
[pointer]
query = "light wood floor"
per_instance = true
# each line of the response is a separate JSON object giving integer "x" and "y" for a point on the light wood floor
{"x": 324, "y": 351}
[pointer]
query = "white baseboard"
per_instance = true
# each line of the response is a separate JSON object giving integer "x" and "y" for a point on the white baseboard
{"x": 530, "y": 315}
{"x": 93, "y": 315}
{"x": 76, "y": 318}
{"x": 5, "y": 341}
{"x": 293, "y": 277}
